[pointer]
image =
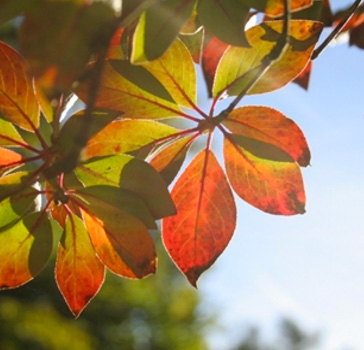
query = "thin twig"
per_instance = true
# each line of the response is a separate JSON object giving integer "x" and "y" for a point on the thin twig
{"x": 336, "y": 30}
{"x": 266, "y": 62}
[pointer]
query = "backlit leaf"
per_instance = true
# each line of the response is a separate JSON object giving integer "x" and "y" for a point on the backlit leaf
{"x": 133, "y": 175}
{"x": 264, "y": 175}
{"x": 194, "y": 43}
{"x": 121, "y": 241}
{"x": 79, "y": 272}
{"x": 238, "y": 61}
{"x": 275, "y": 8}
{"x": 80, "y": 127}
{"x": 158, "y": 27}
{"x": 13, "y": 208}
{"x": 18, "y": 103}
{"x": 8, "y": 134}
{"x": 119, "y": 94}
{"x": 205, "y": 219}
{"x": 169, "y": 160}
{"x": 12, "y": 183}
{"x": 225, "y": 19}
{"x": 272, "y": 127}
{"x": 180, "y": 80}
{"x": 122, "y": 136}
{"x": 25, "y": 250}
{"x": 8, "y": 157}
{"x": 118, "y": 198}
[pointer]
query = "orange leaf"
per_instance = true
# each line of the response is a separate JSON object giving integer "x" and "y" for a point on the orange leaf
{"x": 205, "y": 219}
{"x": 275, "y": 8}
{"x": 79, "y": 272}
{"x": 9, "y": 157}
{"x": 121, "y": 241}
{"x": 18, "y": 102}
{"x": 264, "y": 175}
{"x": 270, "y": 126}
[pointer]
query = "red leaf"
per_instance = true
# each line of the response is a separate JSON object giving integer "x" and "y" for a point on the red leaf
{"x": 9, "y": 157}
{"x": 303, "y": 78}
{"x": 79, "y": 273}
{"x": 205, "y": 219}
{"x": 211, "y": 55}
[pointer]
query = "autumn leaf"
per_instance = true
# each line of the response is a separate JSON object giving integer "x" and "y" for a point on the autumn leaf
{"x": 205, "y": 219}
{"x": 18, "y": 103}
{"x": 232, "y": 69}
{"x": 79, "y": 272}
{"x": 264, "y": 175}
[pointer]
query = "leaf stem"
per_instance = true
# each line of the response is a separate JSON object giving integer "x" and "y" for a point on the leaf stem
{"x": 336, "y": 30}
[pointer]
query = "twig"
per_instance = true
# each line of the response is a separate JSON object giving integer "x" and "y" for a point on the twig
{"x": 336, "y": 30}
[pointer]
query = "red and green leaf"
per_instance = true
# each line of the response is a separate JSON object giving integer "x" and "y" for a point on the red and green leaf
{"x": 264, "y": 175}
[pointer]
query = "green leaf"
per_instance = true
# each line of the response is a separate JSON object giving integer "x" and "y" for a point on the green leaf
{"x": 158, "y": 27}
{"x": 8, "y": 134}
{"x": 12, "y": 8}
{"x": 118, "y": 198}
{"x": 14, "y": 208}
{"x": 232, "y": 74}
{"x": 123, "y": 136}
{"x": 26, "y": 248}
{"x": 225, "y": 19}
{"x": 133, "y": 175}
{"x": 12, "y": 183}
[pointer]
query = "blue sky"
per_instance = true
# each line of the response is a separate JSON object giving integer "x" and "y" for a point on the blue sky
{"x": 308, "y": 267}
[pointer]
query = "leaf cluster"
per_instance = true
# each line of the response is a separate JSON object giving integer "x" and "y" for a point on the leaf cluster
{"x": 103, "y": 175}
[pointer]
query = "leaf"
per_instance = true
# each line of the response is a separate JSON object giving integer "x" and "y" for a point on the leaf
{"x": 119, "y": 94}
{"x": 13, "y": 8}
{"x": 303, "y": 78}
{"x": 158, "y": 27}
{"x": 262, "y": 38}
{"x": 264, "y": 175}
{"x": 122, "y": 136}
{"x": 12, "y": 183}
{"x": 272, "y": 127}
{"x": 120, "y": 199}
{"x": 121, "y": 241}
{"x": 79, "y": 128}
{"x": 211, "y": 55}
{"x": 26, "y": 248}
{"x": 275, "y": 8}
{"x": 9, "y": 157}
{"x": 18, "y": 103}
{"x": 225, "y": 19}
{"x": 79, "y": 273}
{"x": 205, "y": 219}
{"x": 180, "y": 80}
{"x": 133, "y": 175}
{"x": 194, "y": 43}
{"x": 169, "y": 160}
{"x": 9, "y": 136}
{"x": 14, "y": 208}
{"x": 59, "y": 38}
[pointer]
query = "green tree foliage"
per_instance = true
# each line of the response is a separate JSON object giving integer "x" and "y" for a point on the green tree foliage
{"x": 112, "y": 169}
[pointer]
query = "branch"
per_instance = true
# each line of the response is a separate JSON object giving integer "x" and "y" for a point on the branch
{"x": 336, "y": 30}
